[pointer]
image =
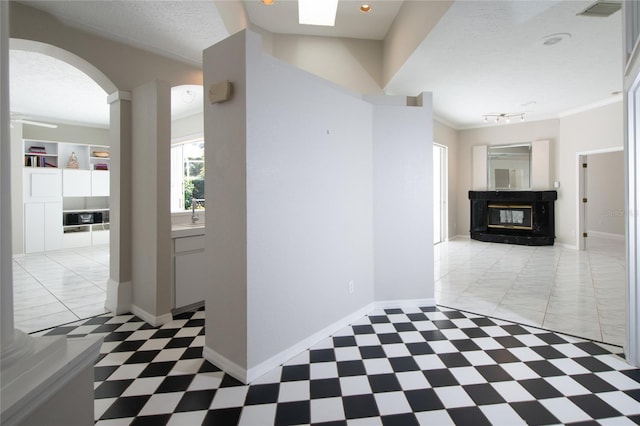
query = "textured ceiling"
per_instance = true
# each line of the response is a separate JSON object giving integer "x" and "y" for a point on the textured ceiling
{"x": 482, "y": 57}
{"x": 489, "y": 57}
{"x": 178, "y": 29}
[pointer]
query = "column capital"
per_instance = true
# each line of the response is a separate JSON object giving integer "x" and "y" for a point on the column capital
{"x": 120, "y": 95}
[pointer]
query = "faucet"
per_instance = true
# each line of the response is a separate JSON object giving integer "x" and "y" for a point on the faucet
{"x": 194, "y": 215}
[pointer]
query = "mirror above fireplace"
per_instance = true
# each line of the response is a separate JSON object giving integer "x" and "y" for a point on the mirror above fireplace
{"x": 509, "y": 167}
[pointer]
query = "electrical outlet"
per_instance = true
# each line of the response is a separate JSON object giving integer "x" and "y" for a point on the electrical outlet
{"x": 351, "y": 287}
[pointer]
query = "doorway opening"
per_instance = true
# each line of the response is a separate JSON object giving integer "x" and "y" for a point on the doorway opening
{"x": 60, "y": 196}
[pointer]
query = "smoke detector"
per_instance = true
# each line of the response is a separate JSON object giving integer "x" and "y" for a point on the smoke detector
{"x": 602, "y": 9}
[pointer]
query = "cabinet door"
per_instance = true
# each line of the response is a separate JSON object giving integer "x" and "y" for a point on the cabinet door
{"x": 34, "y": 227}
{"x": 189, "y": 278}
{"x": 42, "y": 184}
{"x": 99, "y": 183}
{"x": 76, "y": 183}
{"x": 53, "y": 226}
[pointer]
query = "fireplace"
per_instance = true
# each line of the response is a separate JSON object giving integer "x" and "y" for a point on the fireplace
{"x": 510, "y": 216}
{"x": 513, "y": 217}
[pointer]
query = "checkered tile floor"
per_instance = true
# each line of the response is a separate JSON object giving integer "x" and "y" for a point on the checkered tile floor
{"x": 429, "y": 366}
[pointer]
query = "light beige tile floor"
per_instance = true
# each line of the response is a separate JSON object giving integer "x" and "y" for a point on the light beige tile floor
{"x": 57, "y": 287}
{"x": 576, "y": 292}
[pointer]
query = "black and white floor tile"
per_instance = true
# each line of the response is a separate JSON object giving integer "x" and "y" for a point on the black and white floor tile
{"x": 422, "y": 366}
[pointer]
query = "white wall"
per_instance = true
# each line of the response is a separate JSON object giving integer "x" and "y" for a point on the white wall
{"x": 598, "y": 128}
{"x": 309, "y": 204}
{"x": 403, "y": 201}
{"x": 605, "y": 193}
{"x": 291, "y": 223}
{"x": 225, "y": 179}
{"x": 447, "y": 136}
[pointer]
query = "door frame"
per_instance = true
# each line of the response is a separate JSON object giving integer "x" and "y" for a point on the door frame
{"x": 444, "y": 191}
{"x": 582, "y": 191}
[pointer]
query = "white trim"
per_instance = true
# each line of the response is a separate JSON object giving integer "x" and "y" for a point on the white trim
{"x": 285, "y": 355}
{"x": 48, "y": 375}
{"x": 225, "y": 364}
{"x": 593, "y": 105}
{"x": 120, "y": 95}
{"x": 119, "y": 296}
{"x": 391, "y": 304}
{"x": 149, "y": 318}
{"x": 194, "y": 137}
{"x": 566, "y": 245}
{"x": 248, "y": 375}
{"x": 607, "y": 235}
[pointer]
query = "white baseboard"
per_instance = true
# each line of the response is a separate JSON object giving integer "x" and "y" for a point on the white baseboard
{"x": 225, "y": 364}
{"x": 607, "y": 235}
{"x": 153, "y": 320}
{"x": 248, "y": 375}
{"x": 392, "y": 304}
{"x": 119, "y": 296}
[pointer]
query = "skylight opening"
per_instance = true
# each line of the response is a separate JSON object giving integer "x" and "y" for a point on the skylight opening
{"x": 317, "y": 12}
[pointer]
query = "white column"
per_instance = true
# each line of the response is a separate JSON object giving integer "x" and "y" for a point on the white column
{"x": 119, "y": 287}
{"x": 15, "y": 344}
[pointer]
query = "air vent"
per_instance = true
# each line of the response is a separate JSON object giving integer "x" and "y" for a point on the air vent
{"x": 602, "y": 9}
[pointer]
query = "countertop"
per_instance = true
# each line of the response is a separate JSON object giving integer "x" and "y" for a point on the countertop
{"x": 187, "y": 230}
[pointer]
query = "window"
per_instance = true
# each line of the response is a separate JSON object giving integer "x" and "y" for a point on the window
{"x": 187, "y": 175}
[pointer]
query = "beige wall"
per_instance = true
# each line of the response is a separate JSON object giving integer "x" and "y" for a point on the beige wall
{"x": 447, "y": 136}
{"x": 494, "y": 135}
{"x": 150, "y": 210}
{"x": 68, "y": 133}
{"x": 605, "y": 193}
{"x": 351, "y": 63}
{"x": 584, "y": 132}
{"x": 599, "y": 128}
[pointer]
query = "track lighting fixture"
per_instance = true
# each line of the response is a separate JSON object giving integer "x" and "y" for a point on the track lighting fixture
{"x": 502, "y": 116}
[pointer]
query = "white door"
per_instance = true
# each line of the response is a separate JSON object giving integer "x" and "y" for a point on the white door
{"x": 439, "y": 193}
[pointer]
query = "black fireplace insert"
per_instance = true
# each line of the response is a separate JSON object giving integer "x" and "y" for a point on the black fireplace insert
{"x": 513, "y": 217}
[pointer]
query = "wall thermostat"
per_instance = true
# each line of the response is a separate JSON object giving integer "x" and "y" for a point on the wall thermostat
{"x": 220, "y": 92}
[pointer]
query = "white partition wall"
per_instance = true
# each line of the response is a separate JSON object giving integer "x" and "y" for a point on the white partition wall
{"x": 290, "y": 184}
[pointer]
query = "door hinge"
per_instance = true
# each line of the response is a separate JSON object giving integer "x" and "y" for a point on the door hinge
{"x": 584, "y": 165}
{"x": 584, "y": 200}
{"x": 585, "y": 235}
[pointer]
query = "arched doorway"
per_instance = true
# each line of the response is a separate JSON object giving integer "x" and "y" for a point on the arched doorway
{"x": 71, "y": 61}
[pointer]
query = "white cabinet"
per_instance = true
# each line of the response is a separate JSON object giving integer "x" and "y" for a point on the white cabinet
{"x": 76, "y": 183}
{"x": 42, "y": 226}
{"x": 99, "y": 183}
{"x": 85, "y": 183}
{"x": 189, "y": 270}
{"x": 41, "y": 185}
{"x": 47, "y": 179}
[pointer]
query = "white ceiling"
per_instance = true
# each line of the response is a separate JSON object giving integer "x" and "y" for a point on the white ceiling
{"x": 482, "y": 57}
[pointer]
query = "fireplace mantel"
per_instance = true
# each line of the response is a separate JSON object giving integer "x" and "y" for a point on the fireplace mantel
{"x": 513, "y": 217}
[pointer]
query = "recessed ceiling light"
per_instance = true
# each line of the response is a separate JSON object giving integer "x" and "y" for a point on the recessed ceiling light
{"x": 552, "y": 39}
{"x": 365, "y": 8}
{"x": 268, "y": 2}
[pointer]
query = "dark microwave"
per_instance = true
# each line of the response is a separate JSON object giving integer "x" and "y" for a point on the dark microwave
{"x": 83, "y": 218}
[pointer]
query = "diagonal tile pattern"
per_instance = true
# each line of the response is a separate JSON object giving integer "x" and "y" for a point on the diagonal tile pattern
{"x": 575, "y": 292}
{"x": 410, "y": 366}
{"x": 59, "y": 287}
